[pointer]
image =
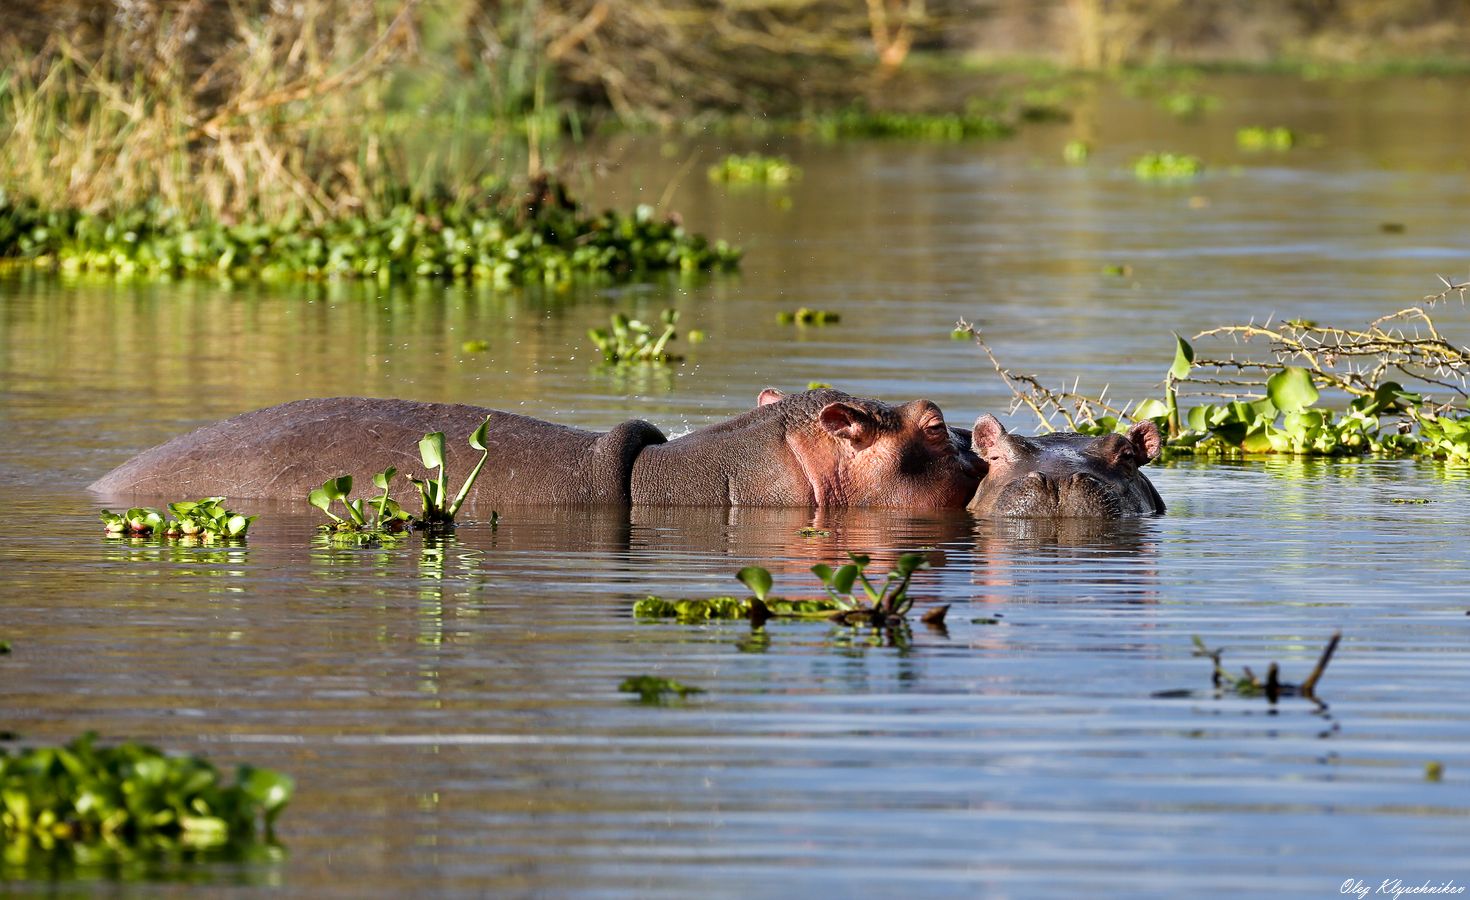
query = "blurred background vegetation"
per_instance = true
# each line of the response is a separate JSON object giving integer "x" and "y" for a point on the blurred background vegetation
{"x": 310, "y": 108}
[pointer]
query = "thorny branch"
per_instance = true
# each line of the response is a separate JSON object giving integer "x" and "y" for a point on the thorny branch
{"x": 1028, "y": 391}
{"x": 1356, "y": 361}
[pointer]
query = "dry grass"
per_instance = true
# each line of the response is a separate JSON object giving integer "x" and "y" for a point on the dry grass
{"x": 271, "y": 126}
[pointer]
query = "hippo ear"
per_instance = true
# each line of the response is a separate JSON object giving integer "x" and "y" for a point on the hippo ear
{"x": 989, "y": 438}
{"x": 769, "y": 396}
{"x": 848, "y": 423}
{"x": 1146, "y": 440}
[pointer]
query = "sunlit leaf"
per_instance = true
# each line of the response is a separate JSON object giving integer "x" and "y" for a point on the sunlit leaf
{"x": 431, "y": 450}
{"x": 1183, "y": 359}
{"x": 757, "y": 579}
{"x": 1291, "y": 389}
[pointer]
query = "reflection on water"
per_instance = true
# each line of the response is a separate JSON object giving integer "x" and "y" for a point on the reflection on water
{"x": 449, "y": 707}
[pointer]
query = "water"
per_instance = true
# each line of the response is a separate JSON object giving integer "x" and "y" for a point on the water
{"x": 450, "y": 711}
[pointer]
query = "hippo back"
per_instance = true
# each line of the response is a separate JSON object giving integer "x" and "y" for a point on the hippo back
{"x": 285, "y": 451}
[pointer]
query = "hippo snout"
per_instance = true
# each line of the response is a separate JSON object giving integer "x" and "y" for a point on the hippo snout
{"x": 1065, "y": 475}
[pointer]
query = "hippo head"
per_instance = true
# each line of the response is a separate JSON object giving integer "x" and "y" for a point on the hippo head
{"x": 1065, "y": 474}
{"x": 861, "y": 452}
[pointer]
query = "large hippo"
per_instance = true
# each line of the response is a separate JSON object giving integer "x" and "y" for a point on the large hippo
{"x": 1065, "y": 474}
{"x": 820, "y": 448}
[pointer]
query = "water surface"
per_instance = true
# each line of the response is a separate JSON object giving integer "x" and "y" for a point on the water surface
{"x": 449, "y": 708}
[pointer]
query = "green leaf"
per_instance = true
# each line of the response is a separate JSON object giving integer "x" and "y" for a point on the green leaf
{"x": 380, "y": 480}
{"x": 843, "y": 578}
{"x": 1291, "y": 389}
{"x": 338, "y": 488}
{"x": 1256, "y": 440}
{"x": 1183, "y": 359}
{"x": 431, "y": 450}
{"x": 908, "y": 563}
{"x": 823, "y": 572}
{"x": 757, "y": 579}
{"x": 268, "y": 788}
{"x": 1149, "y": 409}
{"x": 321, "y": 501}
{"x": 477, "y": 440}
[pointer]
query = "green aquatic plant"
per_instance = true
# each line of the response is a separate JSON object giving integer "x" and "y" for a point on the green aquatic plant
{"x": 1167, "y": 167}
{"x": 132, "y": 793}
{"x": 1076, "y": 152}
{"x": 1271, "y": 405}
{"x": 653, "y": 689}
{"x": 1259, "y": 137}
{"x": 805, "y": 316}
{"x": 631, "y": 341}
{"x": 206, "y": 520}
{"x": 438, "y": 510}
{"x": 367, "y": 518}
{"x": 482, "y": 241}
{"x": 881, "y": 604}
{"x": 1187, "y": 104}
{"x": 851, "y": 597}
{"x": 698, "y": 610}
{"x": 753, "y": 168}
{"x": 862, "y": 123}
{"x": 371, "y": 519}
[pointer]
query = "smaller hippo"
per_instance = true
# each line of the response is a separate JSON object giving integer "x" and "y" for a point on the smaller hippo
{"x": 1065, "y": 474}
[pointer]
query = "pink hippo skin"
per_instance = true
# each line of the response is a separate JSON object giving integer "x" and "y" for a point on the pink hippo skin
{"x": 819, "y": 448}
{"x": 1065, "y": 474}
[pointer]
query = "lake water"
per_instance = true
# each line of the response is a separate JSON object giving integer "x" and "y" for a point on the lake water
{"x": 450, "y": 709}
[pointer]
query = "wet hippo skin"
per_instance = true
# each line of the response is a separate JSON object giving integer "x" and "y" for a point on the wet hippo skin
{"x": 818, "y": 448}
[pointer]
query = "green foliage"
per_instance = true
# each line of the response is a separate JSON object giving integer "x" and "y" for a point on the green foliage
{"x": 1188, "y": 104}
{"x": 631, "y": 341}
{"x": 381, "y": 516}
{"x": 805, "y": 316}
{"x": 862, "y": 123}
{"x": 1076, "y": 152}
{"x": 206, "y": 520}
{"x": 753, "y": 168}
{"x": 815, "y": 385}
{"x": 699, "y": 610}
{"x": 655, "y": 690}
{"x": 757, "y": 579}
{"x": 1167, "y": 167}
{"x": 132, "y": 794}
{"x": 480, "y": 241}
{"x": 371, "y": 519}
{"x": 1258, "y": 137}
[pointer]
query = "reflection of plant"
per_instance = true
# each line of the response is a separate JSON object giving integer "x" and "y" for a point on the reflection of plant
{"x": 1269, "y": 405}
{"x": 206, "y": 520}
{"x": 131, "y": 793}
{"x": 632, "y": 341}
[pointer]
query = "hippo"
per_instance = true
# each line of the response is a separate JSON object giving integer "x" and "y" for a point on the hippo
{"x": 1065, "y": 474}
{"x": 821, "y": 448}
